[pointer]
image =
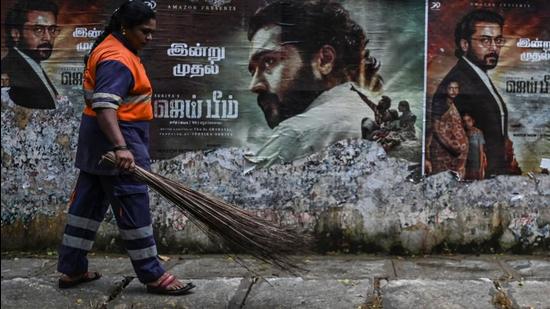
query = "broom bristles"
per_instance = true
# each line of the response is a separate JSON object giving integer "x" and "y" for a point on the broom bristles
{"x": 242, "y": 231}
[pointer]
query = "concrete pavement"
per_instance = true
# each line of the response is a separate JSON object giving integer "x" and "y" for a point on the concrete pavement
{"x": 333, "y": 281}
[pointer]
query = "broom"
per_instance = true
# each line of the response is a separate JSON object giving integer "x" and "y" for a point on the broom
{"x": 242, "y": 231}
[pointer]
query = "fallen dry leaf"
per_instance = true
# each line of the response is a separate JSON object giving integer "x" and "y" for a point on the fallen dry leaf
{"x": 164, "y": 258}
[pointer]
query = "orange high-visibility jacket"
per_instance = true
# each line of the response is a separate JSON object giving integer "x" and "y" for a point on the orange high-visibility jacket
{"x": 135, "y": 105}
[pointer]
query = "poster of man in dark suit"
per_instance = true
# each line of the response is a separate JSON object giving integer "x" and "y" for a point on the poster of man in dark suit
{"x": 478, "y": 41}
{"x": 30, "y": 29}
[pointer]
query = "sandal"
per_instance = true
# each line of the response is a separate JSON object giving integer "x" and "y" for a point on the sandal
{"x": 85, "y": 277}
{"x": 162, "y": 287}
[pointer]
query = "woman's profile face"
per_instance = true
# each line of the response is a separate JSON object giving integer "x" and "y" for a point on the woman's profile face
{"x": 142, "y": 34}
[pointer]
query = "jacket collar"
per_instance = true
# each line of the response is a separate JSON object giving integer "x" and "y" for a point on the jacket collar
{"x": 119, "y": 36}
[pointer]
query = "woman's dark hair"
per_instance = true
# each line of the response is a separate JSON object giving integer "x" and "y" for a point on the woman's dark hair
{"x": 130, "y": 14}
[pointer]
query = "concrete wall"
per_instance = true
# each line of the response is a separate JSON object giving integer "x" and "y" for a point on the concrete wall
{"x": 351, "y": 197}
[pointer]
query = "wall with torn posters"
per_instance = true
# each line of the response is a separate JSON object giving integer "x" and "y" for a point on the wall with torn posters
{"x": 341, "y": 161}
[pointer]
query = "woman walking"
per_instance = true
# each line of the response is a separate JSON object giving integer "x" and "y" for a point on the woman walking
{"x": 116, "y": 118}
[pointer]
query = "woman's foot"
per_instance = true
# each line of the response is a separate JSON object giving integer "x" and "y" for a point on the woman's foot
{"x": 67, "y": 281}
{"x": 167, "y": 284}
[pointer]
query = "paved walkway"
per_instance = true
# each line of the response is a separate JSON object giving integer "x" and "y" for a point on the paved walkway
{"x": 341, "y": 281}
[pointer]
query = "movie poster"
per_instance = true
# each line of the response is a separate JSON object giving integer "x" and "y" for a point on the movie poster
{"x": 281, "y": 92}
{"x": 488, "y": 84}
{"x": 206, "y": 95}
{"x": 43, "y": 49}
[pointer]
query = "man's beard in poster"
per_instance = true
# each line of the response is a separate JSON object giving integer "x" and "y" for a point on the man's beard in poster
{"x": 42, "y": 51}
{"x": 305, "y": 88}
{"x": 488, "y": 62}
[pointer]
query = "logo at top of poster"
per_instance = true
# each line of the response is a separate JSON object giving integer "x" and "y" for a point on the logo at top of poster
{"x": 151, "y": 3}
{"x": 218, "y": 3}
{"x": 435, "y": 5}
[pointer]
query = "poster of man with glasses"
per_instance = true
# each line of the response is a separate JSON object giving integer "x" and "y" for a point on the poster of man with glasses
{"x": 30, "y": 32}
{"x": 485, "y": 69}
